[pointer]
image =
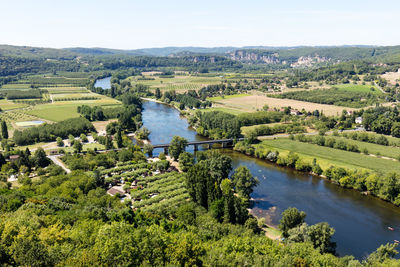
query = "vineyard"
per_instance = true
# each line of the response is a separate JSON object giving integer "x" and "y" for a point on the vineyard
{"x": 160, "y": 192}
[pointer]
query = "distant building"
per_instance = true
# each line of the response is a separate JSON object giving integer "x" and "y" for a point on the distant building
{"x": 359, "y": 120}
{"x": 295, "y": 112}
{"x": 14, "y": 157}
{"x": 113, "y": 191}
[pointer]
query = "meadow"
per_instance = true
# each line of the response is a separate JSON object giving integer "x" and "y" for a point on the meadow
{"x": 10, "y": 105}
{"x": 358, "y": 88}
{"x": 62, "y": 110}
{"x": 374, "y": 149}
{"x": 327, "y": 156}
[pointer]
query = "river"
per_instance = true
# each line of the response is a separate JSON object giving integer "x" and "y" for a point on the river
{"x": 361, "y": 222}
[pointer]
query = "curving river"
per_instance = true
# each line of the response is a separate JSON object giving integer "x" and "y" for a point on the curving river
{"x": 361, "y": 222}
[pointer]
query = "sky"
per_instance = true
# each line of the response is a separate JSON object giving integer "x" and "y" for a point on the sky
{"x": 136, "y": 24}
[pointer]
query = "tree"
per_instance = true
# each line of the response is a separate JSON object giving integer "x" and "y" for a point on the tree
{"x": 177, "y": 146}
{"x": 251, "y": 136}
{"x": 381, "y": 254}
{"x": 108, "y": 142}
{"x": 320, "y": 235}
{"x": 229, "y": 202}
{"x": 40, "y": 158}
{"x": 77, "y": 146}
{"x": 4, "y": 130}
{"x": 59, "y": 141}
{"x": 186, "y": 160}
{"x": 291, "y": 218}
{"x": 158, "y": 93}
{"x": 244, "y": 181}
{"x": 118, "y": 138}
{"x": 71, "y": 139}
{"x": 143, "y": 133}
{"x": 148, "y": 149}
{"x": 84, "y": 138}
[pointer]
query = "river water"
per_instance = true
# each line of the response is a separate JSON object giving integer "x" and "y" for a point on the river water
{"x": 104, "y": 83}
{"x": 361, "y": 222}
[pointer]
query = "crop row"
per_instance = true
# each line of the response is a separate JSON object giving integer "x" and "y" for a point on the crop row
{"x": 161, "y": 188}
{"x": 158, "y": 198}
{"x": 167, "y": 203}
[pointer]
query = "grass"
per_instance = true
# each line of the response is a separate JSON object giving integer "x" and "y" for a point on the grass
{"x": 180, "y": 83}
{"x": 216, "y": 98}
{"x": 16, "y": 86}
{"x": 227, "y": 110}
{"x": 66, "y": 90}
{"x": 329, "y": 156}
{"x": 358, "y": 88}
{"x": 387, "y": 151}
{"x": 245, "y": 129}
{"x": 9, "y": 105}
{"x": 85, "y": 147}
{"x": 60, "y": 111}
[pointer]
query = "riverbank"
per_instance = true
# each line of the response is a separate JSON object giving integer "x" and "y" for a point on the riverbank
{"x": 365, "y": 182}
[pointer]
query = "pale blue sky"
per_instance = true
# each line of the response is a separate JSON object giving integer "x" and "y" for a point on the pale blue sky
{"x": 139, "y": 24}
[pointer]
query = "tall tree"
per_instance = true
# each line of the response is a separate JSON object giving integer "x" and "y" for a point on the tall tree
{"x": 244, "y": 181}
{"x": 291, "y": 218}
{"x": 177, "y": 146}
{"x": 118, "y": 138}
{"x": 40, "y": 158}
{"x": 158, "y": 93}
{"x": 4, "y": 130}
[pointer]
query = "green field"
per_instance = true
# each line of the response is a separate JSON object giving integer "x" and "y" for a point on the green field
{"x": 387, "y": 151}
{"x": 65, "y": 90}
{"x": 59, "y": 111}
{"x": 177, "y": 83}
{"x": 245, "y": 129}
{"x": 227, "y": 110}
{"x": 16, "y": 86}
{"x": 327, "y": 156}
{"x": 358, "y": 88}
{"x": 216, "y": 98}
{"x": 9, "y": 105}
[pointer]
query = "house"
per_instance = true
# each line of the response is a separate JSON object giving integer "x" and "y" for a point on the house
{"x": 359, "y": 120}
{"x": 113, "y": 191}
{"x": 295, "y": 112}
{"x": 14, "y": 157}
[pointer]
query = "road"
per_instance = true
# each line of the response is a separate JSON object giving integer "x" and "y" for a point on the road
{"x": 58, "y": 162}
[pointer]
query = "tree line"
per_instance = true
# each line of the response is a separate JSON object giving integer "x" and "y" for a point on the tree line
{"x": 49, "y": 132}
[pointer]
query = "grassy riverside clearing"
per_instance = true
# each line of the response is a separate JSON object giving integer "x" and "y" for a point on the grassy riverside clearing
{"x": 327, "y": 156}
{"x": 387, "y": 151}
{"x": 358, "y": 88}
